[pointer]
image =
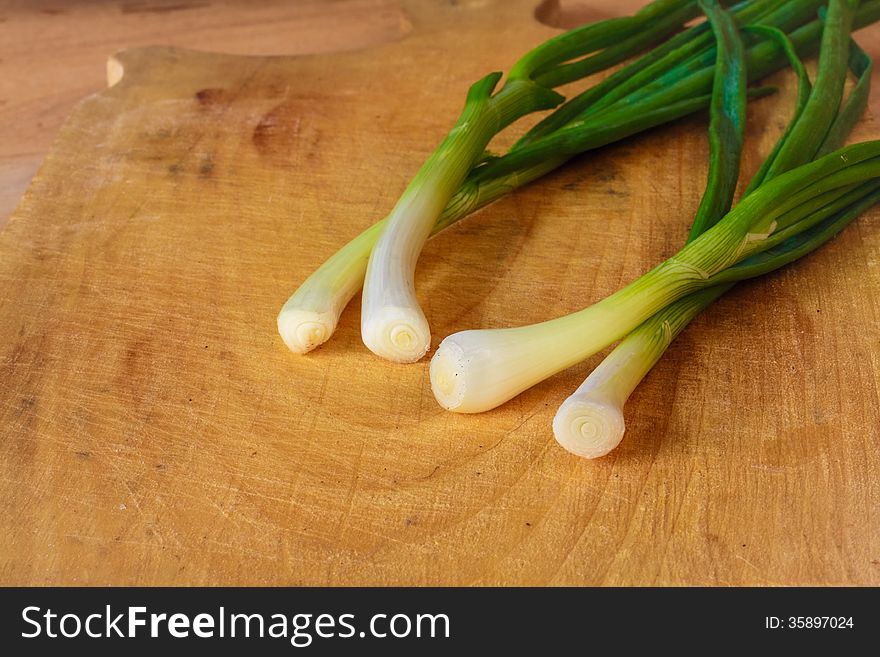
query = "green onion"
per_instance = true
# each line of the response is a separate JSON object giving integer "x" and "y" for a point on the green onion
{"x": 804, "y": 91}
{"x": 861, "y": 65}
{"x": 666, "y": 59}
{"x": 727, "y": 120}
{"x": 556, "y": 52}
{"x": 686, "y": 80}
{"x": 393, "y": 325}
{"x": 311, "y": 314}
{"x": 590, "y": 422}
{"x": 651, "y": 32}
{"x": 474, "y": 371}
{"x": 805, "y": 242}
{"x": 819, "y": 113}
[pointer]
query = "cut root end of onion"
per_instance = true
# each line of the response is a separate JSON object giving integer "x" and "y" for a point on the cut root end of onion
{"x": 587, "y": 427}
{"x": 447, "y": 380}
{"x": 401, "y": 335}
{"x": 303, "y": 330}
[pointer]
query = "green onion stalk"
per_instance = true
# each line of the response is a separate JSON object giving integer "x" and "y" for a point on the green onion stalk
{"x": 393, "y": 325}
{"x": 311, "y": 314}
{"x": 477, "y": 370}
{"x": 474, "y": 371}
{"x": 590, "y": 423}
{"x": 681, "y": 48}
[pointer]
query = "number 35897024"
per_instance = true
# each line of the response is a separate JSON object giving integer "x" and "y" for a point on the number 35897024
{"x": 809, "y": 622}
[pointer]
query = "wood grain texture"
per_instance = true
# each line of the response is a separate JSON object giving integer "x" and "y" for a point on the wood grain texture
{"x": 155, "y": 430}
{"x": 52, "y": 53}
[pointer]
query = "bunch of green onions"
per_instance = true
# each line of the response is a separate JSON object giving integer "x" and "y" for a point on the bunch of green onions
{"x": 804, "y": 194}
{"x": 794, "y": 204}
{"x": 670, "y": 81}
{"x": 590, "y": 422}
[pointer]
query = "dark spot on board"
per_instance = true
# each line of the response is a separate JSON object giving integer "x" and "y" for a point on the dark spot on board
{"x": 574, "y": 185}
{"x": 211, "y": 96}
{"x": 84, "y": 454}
{"x": 51, "y": 11}
{"x": 606, "y": 173}
{"x": 602, "y": 174}
{"x": 141, "y": 156}
{"x": 132, "y": 353}
{"x": 159, "y": 7}
{"x": 26, "y": 415}
{"x": 206, "y": 166}
{"x": 265, "y": 129}
{"x": 281, "y": 135}
{"x": 135, "y": 361}
{"x": 616, "y": 192}
{"x": 175, "y": 168}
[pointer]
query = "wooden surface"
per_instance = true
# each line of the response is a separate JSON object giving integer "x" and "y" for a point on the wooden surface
{"x": 155, "y": 430}
{"x": 52, "y": 53}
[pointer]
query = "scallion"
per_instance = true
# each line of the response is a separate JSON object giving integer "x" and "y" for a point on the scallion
{"x": 311, "y": 314}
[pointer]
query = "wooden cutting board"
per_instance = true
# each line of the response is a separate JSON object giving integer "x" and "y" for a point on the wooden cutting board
{"x": 155, "y": 430}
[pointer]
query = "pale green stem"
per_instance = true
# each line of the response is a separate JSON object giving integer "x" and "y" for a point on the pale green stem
{"x": 590, "y": 422}
{"x": 474, "y": 371}
{"x": 393, "y": 325}
{"x": 310, "y": 315}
